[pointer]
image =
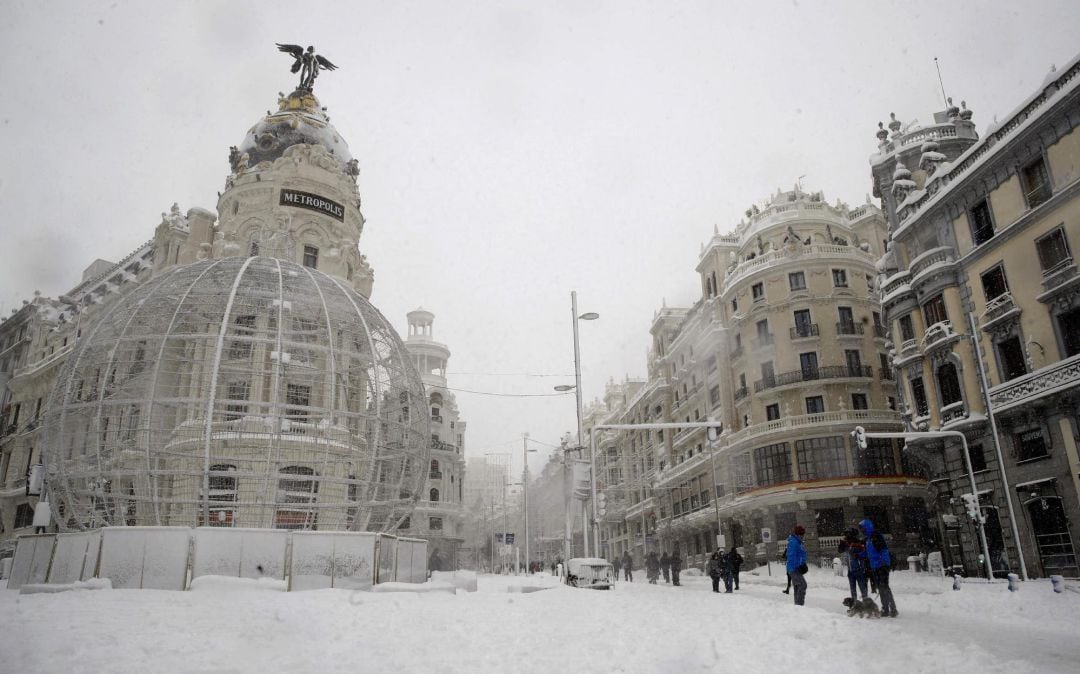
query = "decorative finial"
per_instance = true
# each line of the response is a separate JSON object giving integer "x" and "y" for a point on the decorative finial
{"x": 307, "y": 63}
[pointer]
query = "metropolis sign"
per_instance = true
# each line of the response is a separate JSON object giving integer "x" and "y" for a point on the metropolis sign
{"x": 313, "y": 202}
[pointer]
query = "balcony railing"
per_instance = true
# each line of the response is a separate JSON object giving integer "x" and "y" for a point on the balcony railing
{"x": 937, "y": 332}
{"x": 1059, "y": 376}
{"x": 934, "y": 256}
{"x": 880, "y": 332}
{"x": 849, "y": 328}
{"x": 805, "y": 330}
{"x": 741, "y": 393}
{"x": 435, "y": 475}
{"x": 953, "y": 412}
{"x": 813, "y": 374}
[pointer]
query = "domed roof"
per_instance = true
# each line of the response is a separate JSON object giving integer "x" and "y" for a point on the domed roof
{"x": 299, "y": 119}
{"x": 243, "y": 392}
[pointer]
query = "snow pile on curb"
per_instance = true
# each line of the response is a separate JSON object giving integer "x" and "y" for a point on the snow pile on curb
{"x": 416, "y": 588}
{"x": 462, "y": 580}
{"x": 232, "y": 584}
{"x": 92, "y": 584}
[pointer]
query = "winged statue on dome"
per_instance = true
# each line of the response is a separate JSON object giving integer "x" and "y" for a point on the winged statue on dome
{"x": 307, "y": 63}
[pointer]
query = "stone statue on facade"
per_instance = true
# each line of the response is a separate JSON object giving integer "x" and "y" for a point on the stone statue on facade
{"x": 307, "y": 63}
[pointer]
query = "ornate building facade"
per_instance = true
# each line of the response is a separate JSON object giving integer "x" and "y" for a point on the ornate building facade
{"x": 983, "y": 299}
{"x": 787, "y": 349}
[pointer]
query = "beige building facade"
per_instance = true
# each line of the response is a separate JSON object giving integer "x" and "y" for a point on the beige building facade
{"x": 983, "y": 300}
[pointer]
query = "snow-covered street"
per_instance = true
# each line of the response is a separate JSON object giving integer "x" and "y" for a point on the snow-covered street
{"x": 244, "y": 626}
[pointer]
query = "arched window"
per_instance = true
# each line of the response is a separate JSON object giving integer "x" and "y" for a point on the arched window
{"x": 949, "y": 384}
{"x": 436, "y": 398}
{"x": 433, "y": 495}
{"x": 435, "y": 474}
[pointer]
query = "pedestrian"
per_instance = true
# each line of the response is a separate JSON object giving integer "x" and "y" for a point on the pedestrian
{"x": 727, "y": 572}
{"x": 880, "y": 562}
{"x": 665, "y": 566}
{"x": 854, "y": 555}
{"x": 652, "y": 567}
{"x": 628, "y": 566}
{"x": 796, "y": 563}
{"x": 554, "y": 569}
{"x": 736, "y": 565}
{"x": 616, "y": 567}
{"x": 714, "y": 571}
{"x": 676, "y": 566}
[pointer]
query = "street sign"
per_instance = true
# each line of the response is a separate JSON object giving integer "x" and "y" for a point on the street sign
{"x": 509, "y": 539}
{"x": 721, "y": 544}
{"x": 766, "y": 535}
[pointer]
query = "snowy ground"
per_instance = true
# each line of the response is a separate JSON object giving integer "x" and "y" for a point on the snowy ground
{"x": 227, "y": 625}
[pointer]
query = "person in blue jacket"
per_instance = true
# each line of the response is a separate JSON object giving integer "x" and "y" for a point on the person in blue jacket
{"x": 796, "y": 563}
{"x": 880, "y": 562}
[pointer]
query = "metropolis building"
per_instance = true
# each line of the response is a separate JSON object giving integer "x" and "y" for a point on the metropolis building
{"x": 228, "y": 372}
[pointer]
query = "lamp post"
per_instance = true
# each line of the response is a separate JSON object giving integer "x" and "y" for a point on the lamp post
{"x": 525, "y": 494}
{"x": 588, "y": 316}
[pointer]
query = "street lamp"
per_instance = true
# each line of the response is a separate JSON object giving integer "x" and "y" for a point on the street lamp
{"x": 525, "y": 495}
{"x": 588, "y": 316}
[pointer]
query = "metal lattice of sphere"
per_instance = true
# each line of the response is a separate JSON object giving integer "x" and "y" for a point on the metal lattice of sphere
{"x": 248, "y": 392}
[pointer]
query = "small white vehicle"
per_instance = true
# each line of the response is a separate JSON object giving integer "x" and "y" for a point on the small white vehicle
{"x": 589, "y": 572}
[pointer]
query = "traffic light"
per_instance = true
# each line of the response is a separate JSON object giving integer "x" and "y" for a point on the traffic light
{"x": 860, "y": 437}
{"x": 601, "y": 504}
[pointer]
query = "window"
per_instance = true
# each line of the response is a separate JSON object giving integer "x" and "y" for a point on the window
{"x": 808, "y": 363}
{"x": 994, "y": 284}
{"x": 299, "y": 489}
{"x": 433, "y": 495}
{"x": 978, "y": 458}
{"x": 797, "y": 280}
{"x": 773, "y": 463}
{"x": 222, "y": 491}
{"x": 854, "y": 362}
{"x": 253, "y": 249}
{"x": 243, "y": 329}
{"x": 1053, "y": 251}
{"x": 1030, "y": 445}
{"x": 982, "y": 223}
{"x": 949, "y": 383}
{"x": 435, "y": 523}
{"x": 821, "y": 458}
{"x": 763, "y": 332}
{"x": 1036, "y": 182}
{"x": 741, "y": 476}
{"x": 24, "y": 516}
{"x": 311, "y": 257}
{"x": 768, "y": 376}
{"x": 711, "y": 363}
{"x": 434, "y": 473}
{"x": 830, "y": 521}
{"x": 236, "y": 392}
{"x": 1011, "y": 358}
{"x": 918, "y": 397}
{"x": 877, "y": 458}
{"x": 839, "y": 278}
{"x": 803, "y": 326}
{"x": 772, "y": 412}
{"x": 714, "y": 395}
{"x": 405, "y": 523}
{"x": 907, "y": 331}
{"x": 734, "y": 304}
{"x": 815, "y": 405}
{"x": 846, "y": 326}
{"x": 758, "y": 291}
{"x": 297, "y": 397}
{"x": 934, "y": 310}
{"x": 1068, "y": 324}
{"x": 858, "y": 401}
{"x": 886, "y": 367}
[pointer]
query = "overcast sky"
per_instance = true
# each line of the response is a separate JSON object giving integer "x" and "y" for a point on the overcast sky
{"x": 509, "y": 152}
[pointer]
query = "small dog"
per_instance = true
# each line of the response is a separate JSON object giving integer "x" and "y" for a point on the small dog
{"x": 864, "y": 608}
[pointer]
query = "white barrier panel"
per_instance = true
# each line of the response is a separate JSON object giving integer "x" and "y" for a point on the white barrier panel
{"x": 323, "y": 559}
{"x": 411, "y": 560}
{"x": 93, "y": 554}
{"x": 145, "y": 557}
{"x": 69, "y": 558}
{"x": 387, "y": 558}
{"x": 239, "y": 553}
{"x": 32, "y": 556}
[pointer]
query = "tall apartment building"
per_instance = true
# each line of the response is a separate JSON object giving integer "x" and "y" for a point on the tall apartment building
{"x": 787, "y": 349}
{"x": 983, "y": 299}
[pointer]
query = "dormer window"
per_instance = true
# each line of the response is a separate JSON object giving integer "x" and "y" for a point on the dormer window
{"x": 311, "y": 256}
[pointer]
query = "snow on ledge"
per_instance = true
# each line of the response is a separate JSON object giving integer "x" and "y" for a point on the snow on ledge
{"x": 41, "y": 588}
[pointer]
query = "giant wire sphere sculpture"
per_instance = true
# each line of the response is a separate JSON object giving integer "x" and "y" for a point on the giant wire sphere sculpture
{"x": 248, "y": 392}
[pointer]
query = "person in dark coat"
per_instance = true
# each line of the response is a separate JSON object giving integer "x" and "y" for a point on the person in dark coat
{"x": 736, "y": 561}
{"x": 615, "y": 565}
{"x": 676, "y": 566}
{"x": 665, "y": 566}
{"x": 854, "y": 552}
{"x": 628, "y": 566}
{"x": 879, "y": 561}
{"x": 714, "y": 570}
{"x": 796, "y": 563}
{"x": 652, "y": 568}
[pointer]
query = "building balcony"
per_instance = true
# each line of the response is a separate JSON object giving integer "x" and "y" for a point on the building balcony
{"x": 841, "y": 417}
{"x": 939, "y": 335}
{"x": 436, "y": 419}
{"x": 804, "y": 331}
{"x": 776, "y": 257}
{"x": 741, "y": 393}
{"x": 895, "y": 287}
{"x": 931, "y": 262}
{"x": 953, "y": 412}
{"x": 880, "y": 332}
{"x": 1059, "y": 280}
{"x": 435, "y": 475}
{"x": 1059, "y": 377}
{"x": 849, "y": 329}
{"x": 440, "y": 446}
{"x": 1001, "y": 309}
{"x": 813, "y": 374}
